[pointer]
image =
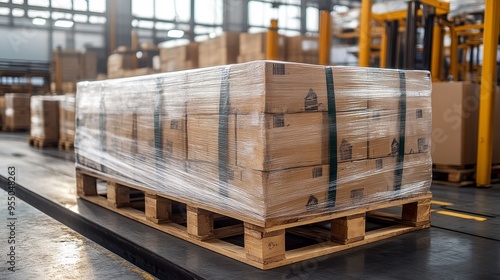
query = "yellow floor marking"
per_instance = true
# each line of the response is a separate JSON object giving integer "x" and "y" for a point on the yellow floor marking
{"x": 463, "y": 216}
{"x": 442, "y": 203}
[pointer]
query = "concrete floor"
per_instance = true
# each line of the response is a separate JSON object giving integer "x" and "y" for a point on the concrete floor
{"x": 463, "y": 242}
{"x": 47, "y": 249}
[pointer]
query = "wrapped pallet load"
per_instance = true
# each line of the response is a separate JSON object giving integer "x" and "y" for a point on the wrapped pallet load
{"x": 17, "y": 111}
{"x": 44, "y": 131}
{"x": 67, "y": 121}
{"x": 268, "y": 143}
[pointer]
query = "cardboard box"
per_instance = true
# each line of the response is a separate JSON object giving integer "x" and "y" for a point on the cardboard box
{"x": 384, "y": 126}
{"x": 179, "y": 58}
{"x": 17, "y": 111}
{"x": 253, "y": 46}
{"x": 204, "y": 138}
{"x": 270, "y": 87}
{"x": 2, "y": 111}
{"x": 455, "y": 116}
{"x": 67, "y": 118}
{"x": 45, "y": 118}
{"x": 221, "y": 50}
{"x": 417, "y": 174}
{"x": 278, "y": 141}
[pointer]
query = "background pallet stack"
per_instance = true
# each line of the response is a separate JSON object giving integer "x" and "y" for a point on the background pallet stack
{"x": 65, "y": 71}
{"x": 179, "y": 58}
{"x": 67, "y": 122}
{"x": 44, "y": 121}
{"x": 253, "y": 47}
{"x": 455, "y": 117}
{"x": 302, "y": 49}
{"x": 220, "y": 50}
{"x": 17, "y": 112}
{"x": 2, "y": 112}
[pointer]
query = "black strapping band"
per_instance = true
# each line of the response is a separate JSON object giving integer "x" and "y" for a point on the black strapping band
{"x": 158, "y": 128}
{"x": 223, "y": 136}
{"x": 402, "y": 132}
{"x": 332, "y": 124}
{"x": 102, "y": 128}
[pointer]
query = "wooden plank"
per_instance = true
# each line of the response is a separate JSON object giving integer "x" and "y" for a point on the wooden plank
{"x": 263, "y": 248}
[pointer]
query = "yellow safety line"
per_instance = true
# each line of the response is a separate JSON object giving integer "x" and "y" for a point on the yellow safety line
{"x": 442, "y": 203}
{"x": 463, "y": 216}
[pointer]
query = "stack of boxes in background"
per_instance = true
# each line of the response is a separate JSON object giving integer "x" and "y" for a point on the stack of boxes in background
{"x": 221, "y": 50}
{"x": 455, "y": 116}
{"x": 253, "y": 47}
{"x": 67, "y": 121}
{"x": 2, "y": 112}
{"x": 17, "y": 112}
{"x": 88, "y": 66}
{"x": 119, "y": 62}
{"x": 45, "y": 119}
{"x": 179, "y": 58}
{"x": 302, "y": 49}
{"x": 69, "y": 67}
{"x": 257, "y": 138}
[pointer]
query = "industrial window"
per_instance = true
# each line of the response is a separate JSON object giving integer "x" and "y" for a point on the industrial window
{"x": 312, "y": 17}
{"x": 208, "y": 11}
{"x": 178, "y": 10}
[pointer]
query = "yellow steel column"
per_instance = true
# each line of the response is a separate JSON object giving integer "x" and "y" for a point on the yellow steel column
{"x": 454, "y": 54}
{"x": 325, "y": 37}
{"x": 272, "y": 41}
{"x": 383, "y": 47}
{"x": 437, "y": 51}
{"x": 487, "y": 97}
{"x": 364, "y": 33}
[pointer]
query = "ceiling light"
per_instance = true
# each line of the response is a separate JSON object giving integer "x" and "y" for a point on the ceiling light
{"x": 38, "y": 21}
{"x": 64, "y": 23}
{"x": 175, "y": 33}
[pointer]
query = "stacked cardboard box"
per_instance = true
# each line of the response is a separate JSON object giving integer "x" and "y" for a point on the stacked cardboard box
{"x": 65, "y": 71}
{"x": 262, "y": 139}
{"x": 45, "y": 118}
{"x": 302, "y": 49}
{"x": 220, "y": 50}
{"x": 17, "y": 111}
{"x": 88, "y": 66}
{"x": 455, "y": 117}
{"x": 253, "y": 47}
{"x": 179, "y": 58}
{"x": 67, "y": 119}
{"x": 118, "y": 62}
{"x": 2, "y": 112}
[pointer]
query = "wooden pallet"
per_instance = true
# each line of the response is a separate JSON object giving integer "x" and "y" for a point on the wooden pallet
{"x": 41, "y": 143}
{"x": 66, "y": 145}
{"x": 13, "y": 129}
{"x": 262, "y": 247}
{"x": 460, "y": 176}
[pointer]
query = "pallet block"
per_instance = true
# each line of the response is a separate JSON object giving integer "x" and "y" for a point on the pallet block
{"x": 41, "y": 143}
{"x": 66, "y": 145}
{"x": 264, "y": 246}
{"x": 460, "y": 176}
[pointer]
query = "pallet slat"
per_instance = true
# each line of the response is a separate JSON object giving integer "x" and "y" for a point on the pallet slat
{"x": 264, "y": 247}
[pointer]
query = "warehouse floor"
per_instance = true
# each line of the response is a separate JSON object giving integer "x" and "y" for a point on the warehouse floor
{"x": 463, "y": 241}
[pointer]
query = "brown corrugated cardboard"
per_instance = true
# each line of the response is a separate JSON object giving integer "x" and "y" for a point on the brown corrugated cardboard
{"x": 455, "y": 107}
{"x": 203, "y": 138}
{"x": 220, "y": 50}
{"x": 270, "y": 87}
{"x": 263, "y": 140}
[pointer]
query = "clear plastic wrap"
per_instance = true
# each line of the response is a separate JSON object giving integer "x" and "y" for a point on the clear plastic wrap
{"x": 256, "y": 139}
{"x": 67, "y": 118}
{"x": 45, "y": 117}
{"x": 17, "y": 111}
